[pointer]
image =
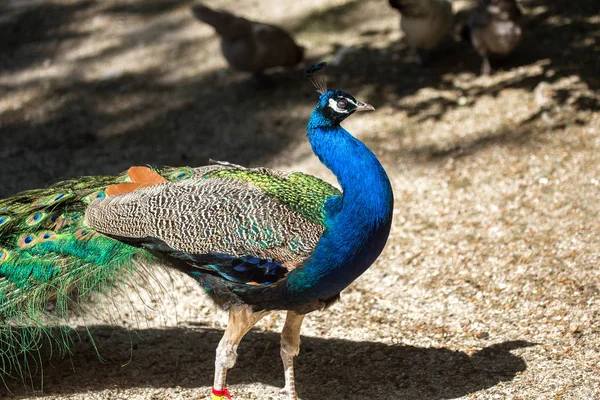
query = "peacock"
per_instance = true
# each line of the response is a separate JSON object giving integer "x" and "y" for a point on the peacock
{"x": 425, "y": 23}
{"x": 494, "y": 27}
{"x": 256, "y": 240}
{"x": 251, "y": 46}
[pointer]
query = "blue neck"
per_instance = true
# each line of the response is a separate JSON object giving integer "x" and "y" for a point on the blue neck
{"x": 358, "y": 222}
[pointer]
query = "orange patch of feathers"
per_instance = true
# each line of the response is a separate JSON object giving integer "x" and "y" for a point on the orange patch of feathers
{"x": 140, "y": 177}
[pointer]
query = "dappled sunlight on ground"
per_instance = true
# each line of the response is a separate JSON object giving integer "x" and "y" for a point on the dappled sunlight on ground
{"x": 488, "y": 287}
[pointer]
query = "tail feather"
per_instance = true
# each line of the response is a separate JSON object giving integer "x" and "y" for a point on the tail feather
{"x": 51, "y": 262}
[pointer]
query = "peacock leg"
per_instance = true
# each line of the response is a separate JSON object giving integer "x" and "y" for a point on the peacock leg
{"x": 481, "y": 48}
{"x": 486, "y": 68}
{"x": 241, "y": 320}
{"x": 290, "y": 347}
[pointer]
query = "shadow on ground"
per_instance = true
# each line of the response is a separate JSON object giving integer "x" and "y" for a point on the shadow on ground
{"x": 561, "y": 39}
{"x": 184, "y": 357}
{"x": 79, "y": 126}
{"x": 198, "y": 122}
{"x": 71, "y": 124}
{"x": 30, "y": 34}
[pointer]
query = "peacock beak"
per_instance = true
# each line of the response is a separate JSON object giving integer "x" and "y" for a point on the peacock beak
{"x": 360, "y": 106}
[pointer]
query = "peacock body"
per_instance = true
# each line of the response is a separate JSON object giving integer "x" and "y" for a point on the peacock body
{"x": 255, "y": 239}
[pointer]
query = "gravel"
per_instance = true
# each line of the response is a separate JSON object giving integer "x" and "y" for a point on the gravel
{"x": 488, "y": 287}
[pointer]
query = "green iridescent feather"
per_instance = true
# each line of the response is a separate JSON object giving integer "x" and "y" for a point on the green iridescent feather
{"x": 301, "y": 192}
{"x": 50, "y": 263}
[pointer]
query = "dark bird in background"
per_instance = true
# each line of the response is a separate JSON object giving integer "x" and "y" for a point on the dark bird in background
{"x": 425, "y": 23}
{"x": 255, "y": 239}
{"x": 250, "y": 46}
{"x": 494, "y": 27}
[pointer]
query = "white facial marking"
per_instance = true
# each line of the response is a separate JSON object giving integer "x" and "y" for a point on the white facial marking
{"x": 333, "y": 104}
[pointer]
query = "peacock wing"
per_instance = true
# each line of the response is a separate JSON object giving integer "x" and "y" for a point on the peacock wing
{"x": 247, "y": 225}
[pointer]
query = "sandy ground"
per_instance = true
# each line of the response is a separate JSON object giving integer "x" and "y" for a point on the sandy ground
{"x": 488, "y": 288}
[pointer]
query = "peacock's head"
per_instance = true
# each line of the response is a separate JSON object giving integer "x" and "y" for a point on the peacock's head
{"x": 334, "y": 105}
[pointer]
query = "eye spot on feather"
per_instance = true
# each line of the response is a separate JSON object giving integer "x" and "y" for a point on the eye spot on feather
{"x": 4, "y": 220}
{"x": 47, "y": 200}
{"x": 58, "y": 222}
{"x": 179, "y": 175}
{"x": 34, "y": 219}
{"x": 81, "y": 233}
{"x": 26, "y": 241}
{"x": 94, "y": 196}
{"x": 4, "y": 255}
{"x": 84, "y": 234}
{"x": 46, "y": 236}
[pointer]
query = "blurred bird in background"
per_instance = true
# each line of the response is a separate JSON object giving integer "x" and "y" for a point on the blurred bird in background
{"x": 425, "y": 23}
{"x": 494, "y": 27}
{"x": 250, "y": 46}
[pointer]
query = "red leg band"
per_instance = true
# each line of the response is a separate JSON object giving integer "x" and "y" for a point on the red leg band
{"x": 220, "y": 394}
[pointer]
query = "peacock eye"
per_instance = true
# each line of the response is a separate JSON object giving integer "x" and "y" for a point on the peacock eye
{"x": 342, "y": 103}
